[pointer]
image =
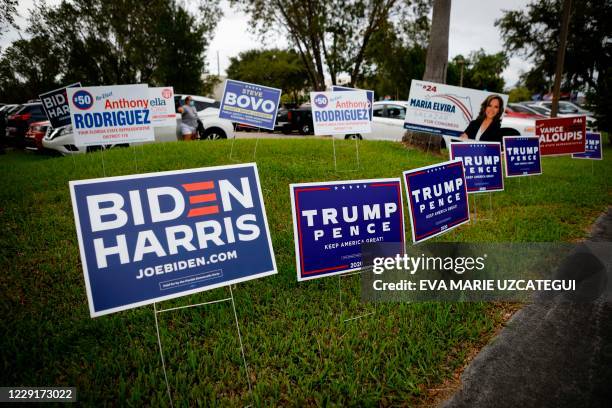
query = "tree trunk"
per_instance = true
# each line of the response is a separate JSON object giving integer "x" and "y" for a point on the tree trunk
{"x": 435, "y": 69}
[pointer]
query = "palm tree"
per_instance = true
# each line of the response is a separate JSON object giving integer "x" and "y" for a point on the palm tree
{"x": 435, "y": 65}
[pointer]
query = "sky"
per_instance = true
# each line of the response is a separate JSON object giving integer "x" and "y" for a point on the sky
{"x": 471, "y": 28}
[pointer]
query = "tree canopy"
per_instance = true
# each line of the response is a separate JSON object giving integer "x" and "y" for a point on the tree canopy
{"x": 276, "y": 68}
{"x": 158, "y": 42}
{"x": 331, "y": 35}
{"x": 480, "y": 71}
{"x": 534, "y": 34}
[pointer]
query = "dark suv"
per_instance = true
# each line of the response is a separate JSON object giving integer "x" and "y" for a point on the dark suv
{"x": 299, "y": 119}
{"x": 18, "y": 123}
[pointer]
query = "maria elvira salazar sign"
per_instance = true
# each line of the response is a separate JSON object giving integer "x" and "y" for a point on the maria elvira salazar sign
{"x": 151, "y": 237}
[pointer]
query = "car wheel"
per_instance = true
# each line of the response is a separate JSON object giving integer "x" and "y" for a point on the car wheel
{"x": 305, "y": 129}
{"x": 214, "y": 133}
{"x": 353, "y": 136}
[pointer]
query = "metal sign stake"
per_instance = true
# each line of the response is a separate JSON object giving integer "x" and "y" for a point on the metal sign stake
{"x": 161, "y": 352}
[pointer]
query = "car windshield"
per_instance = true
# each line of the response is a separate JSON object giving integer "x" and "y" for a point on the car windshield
{"x": 396, "y": 112}
{"x": 520, "y": 109}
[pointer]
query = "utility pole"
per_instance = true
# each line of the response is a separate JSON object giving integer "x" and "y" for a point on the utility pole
{"x": 567, "y": 5}
{"x": 461, "y": 62}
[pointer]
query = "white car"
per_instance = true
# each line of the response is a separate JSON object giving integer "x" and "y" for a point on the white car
{"x": 388, "y": 123}
{"x": 62, "y": 139}
{"x": 566, "y": 110}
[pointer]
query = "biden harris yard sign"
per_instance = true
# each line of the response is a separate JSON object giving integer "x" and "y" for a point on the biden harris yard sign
{"x": 338, "y": 113}
{"x": 332, "y": 220}
{"x": 55, "y": 104}
{"x": 150, "y": 237}
{"x": 443, "y": 109}
{"x": 482, "y": 165}
{"x": 593, "y": 148}
{"x": 437, "y": 199}
{"x": 522, "y": 154}
{"x": 250, "y": 104}
{"x": 110, "y": 114}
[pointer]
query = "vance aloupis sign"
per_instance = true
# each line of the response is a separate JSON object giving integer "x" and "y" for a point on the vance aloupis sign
{"x": 150, "y": 237}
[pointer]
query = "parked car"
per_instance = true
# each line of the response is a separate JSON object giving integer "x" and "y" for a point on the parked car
{"x": 62, "y": 139}
{"x": 566, "y": 110}
{"x": 5, "y": 112}
{"x": 35, "y": 134}
{"x": 520, "y": 110}
{"x": 295, "y": 120}
{"x": 18, "y": 122}
{"x": 208, "y": 112}
{"x": 388, "y": 123}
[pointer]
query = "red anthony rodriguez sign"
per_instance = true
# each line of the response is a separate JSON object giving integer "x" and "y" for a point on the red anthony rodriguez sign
{"x": 559, "y": 136}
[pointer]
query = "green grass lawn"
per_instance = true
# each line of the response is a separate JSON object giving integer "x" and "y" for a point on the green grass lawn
{"x": 298, "y": 349}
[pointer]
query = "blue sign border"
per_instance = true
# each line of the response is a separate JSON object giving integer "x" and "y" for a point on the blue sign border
{"x": 296, "y": 232}
{"x": 487, "y": 189}
{"x": 96, "y": 313}
{"x": 523, "y": 174}
{"x": 590, "y": 154}
{"x": 455, "y": 224}
{"x": 244, "y": 118}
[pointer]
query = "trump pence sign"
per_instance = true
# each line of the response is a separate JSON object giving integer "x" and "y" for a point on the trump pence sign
{"x": 332, "y": 220}
{"x": 522, "y": 154}
{"x": 559, "y": 136}
{"x": 437, "y": 199}
{"x": 482, "y": 165}
{"x": 593, "y": 148}
{"x": 150, "y": 237}
{"x": 110, "y": 114}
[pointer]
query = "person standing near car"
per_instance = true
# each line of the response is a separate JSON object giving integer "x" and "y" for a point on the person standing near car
{"x": 189, "y": 119}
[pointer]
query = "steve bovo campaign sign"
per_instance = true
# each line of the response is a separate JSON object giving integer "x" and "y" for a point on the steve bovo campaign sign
{"x": 150, "y": 237}
{"x": 437, "y": 198}
{"x": 332, "y": 220}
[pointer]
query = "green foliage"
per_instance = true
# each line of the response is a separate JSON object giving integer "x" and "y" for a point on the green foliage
{"x": 392, "y": 67}
{"x": 480, "y": 71}
{"x": 534, "y": 33}
{"x": 276, "y": 68}
{"x": 100, "y": 42}
{"x": 8, "y": 11}
{"x": 333, "y": 35}
{"x": 298, "y": 349}
{"x": 519, "y": 94}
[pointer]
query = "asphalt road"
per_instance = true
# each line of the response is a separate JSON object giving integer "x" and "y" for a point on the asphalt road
{"x": 555, "y": 354}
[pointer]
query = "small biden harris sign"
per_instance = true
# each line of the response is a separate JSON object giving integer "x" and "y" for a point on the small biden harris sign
{"x": 250, "y": 104}
{"x": 482, "y": 165}
{"x": 332, "y": 220}
{"x": 437, "y": 199}
{"x": 150, "y": 237}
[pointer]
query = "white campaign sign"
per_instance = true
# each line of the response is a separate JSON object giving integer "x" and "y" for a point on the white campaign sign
{"x": 110, "y": 114}
{"x": 338, "y": 113}
{"x": 443, "y": 109}
{"x": 162, "y": 106}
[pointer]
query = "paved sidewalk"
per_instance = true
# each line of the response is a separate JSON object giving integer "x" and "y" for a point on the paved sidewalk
{"x": 550, "y": 355}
